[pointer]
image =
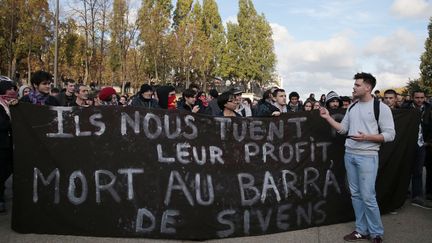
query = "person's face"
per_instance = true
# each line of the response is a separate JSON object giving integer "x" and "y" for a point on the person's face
{"x": 245, "y": 103}
{"x": 70, "y": 88}
{"x": 172, "y": 95}
{"x": 190, "y": 100}
{"x": 148, "y": 94}
{"x": 231, "y": 104}
{"x": 361, "y": 88}
{"x": 334, "y": 104}
{"x": 26, "y": 91}
{"x": 400, "y": 100}
{"x": 419, "y": 98}
{"x": 308, "y": 106}
{"x": 122, "y": 100}
{"x": 238, "y": 98}
{"x": 114, "y": 98}
{"x": 294, "y": 100}
{"x": 203, "y": 97}
{"x": 82, "y": 93}
{"x": 44, "y": 87}
{"x": 345, "y": 104}
{"x": 11, "y": 93}
{"x": 316, "y": 106}
{"x": 97, "y": 101}
{"x": 89, "y": 102}
{"x": 281, "y": 98}
{"x": 390, "y": 100}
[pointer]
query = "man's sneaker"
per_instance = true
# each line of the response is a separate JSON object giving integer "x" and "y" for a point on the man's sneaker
{"x": 377, "y": 239}
{"x": 418, "y": 202}
{"x": 355, "y": 236}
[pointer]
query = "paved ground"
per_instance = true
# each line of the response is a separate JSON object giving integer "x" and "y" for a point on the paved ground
{"x": 410, "y": 224}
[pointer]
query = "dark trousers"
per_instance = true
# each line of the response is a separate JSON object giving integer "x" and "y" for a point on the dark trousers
{"x": 5, "y": 169}
{"x": 428, "y": 165}
{"x": 417, "y": 173}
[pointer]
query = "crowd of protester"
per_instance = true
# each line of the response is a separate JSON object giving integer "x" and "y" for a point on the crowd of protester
{"x": 230, "y": 103}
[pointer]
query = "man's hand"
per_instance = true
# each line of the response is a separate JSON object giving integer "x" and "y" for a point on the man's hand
{"x": 13, "y": 102}
{"x": 195, "y": 109}
{"x": 324, "y": 113}
{"x": 276, "y": 113}
{"x": 359, "y": 137}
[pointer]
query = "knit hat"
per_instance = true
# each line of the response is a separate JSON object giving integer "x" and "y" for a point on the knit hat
{"x": 144, "y": 88}
{"x": 21, "y": 90}
{"x": 106, "y": 93}
{"x": 332, "y": 96}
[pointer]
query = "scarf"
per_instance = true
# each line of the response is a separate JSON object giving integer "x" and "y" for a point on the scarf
{"x": 38, "y": 98}
{"x": 171, "y": 102}
{"x": 204, "y": 101}
{"x": 5, "y": 99}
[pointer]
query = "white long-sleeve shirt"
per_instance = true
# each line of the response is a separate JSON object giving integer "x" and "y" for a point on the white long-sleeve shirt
{"x": 361, "y": 118}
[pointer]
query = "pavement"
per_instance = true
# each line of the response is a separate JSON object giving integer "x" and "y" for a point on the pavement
{"x": 410, "y": 224}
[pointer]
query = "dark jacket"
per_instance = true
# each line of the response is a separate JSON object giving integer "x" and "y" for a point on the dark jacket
{"x": 213, "y": 108}
{"x": 5, "y": 130}
{"x": 220, "y": 114}
{"x": 292, "y": 108}
{"x": 426, "y": 119}
{"x": 185, "y": 107}
{"x": 265, "y": 109}
{"x": 65, "y": 100}
{"x": 147, "y": 103}
{"x": 202, "y": 109}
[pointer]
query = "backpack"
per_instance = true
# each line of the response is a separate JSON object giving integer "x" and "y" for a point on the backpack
{"x": 376, "y": 111}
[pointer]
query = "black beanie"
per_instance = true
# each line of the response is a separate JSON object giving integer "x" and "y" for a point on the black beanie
{"x": 144, "y": 88}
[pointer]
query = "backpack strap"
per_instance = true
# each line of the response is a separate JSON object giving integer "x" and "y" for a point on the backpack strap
{"x": 376, "y": 111}
{"x": 349, "y": 109}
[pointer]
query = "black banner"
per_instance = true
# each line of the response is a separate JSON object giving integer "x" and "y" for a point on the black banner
{"x": 132, "y": 172}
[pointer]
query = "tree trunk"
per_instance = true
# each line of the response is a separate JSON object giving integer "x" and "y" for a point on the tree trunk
{"x": 101, "y": 61}
{"x": 28, "y": 65}
{"x": 12, "y": 58}
{"x": 13, "y": 65}
{"x": 155, "y": 67}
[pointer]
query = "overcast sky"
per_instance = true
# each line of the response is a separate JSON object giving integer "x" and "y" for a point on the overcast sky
{"x": 320, "y": 45}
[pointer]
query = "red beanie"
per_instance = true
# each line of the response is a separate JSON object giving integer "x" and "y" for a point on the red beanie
{"x": 106, "y": 93}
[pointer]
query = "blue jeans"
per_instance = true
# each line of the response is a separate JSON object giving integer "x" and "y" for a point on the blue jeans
{"x": 361, "y": 172}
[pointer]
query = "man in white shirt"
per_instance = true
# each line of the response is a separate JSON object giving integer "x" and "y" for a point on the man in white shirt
{"x": 361, "y": 155}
